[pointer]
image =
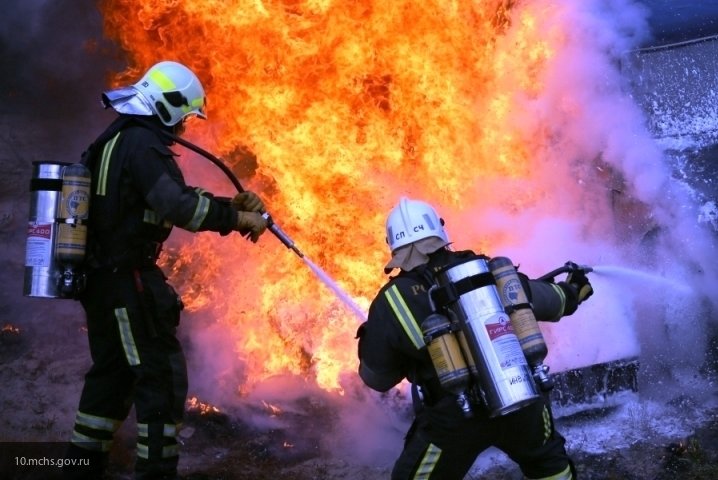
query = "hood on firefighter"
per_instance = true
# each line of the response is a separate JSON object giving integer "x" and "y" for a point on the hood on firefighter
{"x": 414, "y": 254}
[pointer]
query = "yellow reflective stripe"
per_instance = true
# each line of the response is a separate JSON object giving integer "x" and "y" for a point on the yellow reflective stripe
{"x": 97, "y": 423}
{"x": 165, "y": 83}
{"x": 546, "y": 425}
{"x": 105, "y": 166}
{"x": 563, "y": 298}
{"x": 199, "y": 214}
{"x": 143, "y": 451}
{"x": 169, "y": 430}
{"x": 431, "y": 457}
{"x": 406, "y": 318}
{"x": 200, "y": 190}
{"x": 170, "y": 451}
{"x": 89, "y": 443}
{"x": 564, "y": 475}
{"x": 128, "y": 341}
{"x": 151, "y": 217}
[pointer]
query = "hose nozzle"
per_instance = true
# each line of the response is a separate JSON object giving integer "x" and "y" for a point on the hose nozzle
{"x": 574, "y": 267}
{"x": 283, "y": 237}
{"x": 568, "y": 267}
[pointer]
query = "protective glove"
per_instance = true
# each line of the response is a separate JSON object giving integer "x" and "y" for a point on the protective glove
{"x": 247, "y": 202}
{"x": 251, "y": 225}
{"x": 577, "y": 289}
{"x": 579, "y": 280}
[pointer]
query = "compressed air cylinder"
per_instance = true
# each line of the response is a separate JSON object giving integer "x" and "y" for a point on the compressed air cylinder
{"x": 73, "y": 212}
{"x": 42, "y": 271}
{"x": 504, "y": 376}
{"x": 72, "y": 215}
{"x": 447, "y": 358}
{"x": 524, "y": 322}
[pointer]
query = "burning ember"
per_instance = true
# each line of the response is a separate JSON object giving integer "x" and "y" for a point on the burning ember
{"x": 9, "y": 337}
{"x": 273, "y": 410}
{"x": 9, "y": 329}
{"x": 331, "y": 110}
{"x": 194, "y": 404}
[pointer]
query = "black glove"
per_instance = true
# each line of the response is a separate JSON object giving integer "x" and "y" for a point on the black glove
{"x": 577, "y": 289}
{"x": 579, "y": 281}
{"x": 360, "y": 333}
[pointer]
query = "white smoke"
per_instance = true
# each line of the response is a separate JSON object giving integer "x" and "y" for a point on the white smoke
{"x": 614, "y": 200}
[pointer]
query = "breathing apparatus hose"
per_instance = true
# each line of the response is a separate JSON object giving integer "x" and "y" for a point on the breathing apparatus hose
{"x": 271, "y": 225}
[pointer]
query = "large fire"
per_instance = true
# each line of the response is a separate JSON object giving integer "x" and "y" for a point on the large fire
{"x": 331, "y": 110}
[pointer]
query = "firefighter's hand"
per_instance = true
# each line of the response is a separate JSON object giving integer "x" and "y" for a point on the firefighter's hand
{"x": 577, "y": 289}
{"x": 247, "y": 202}
{"x": 579, "y": 281}
{"x": 251, "y": 225}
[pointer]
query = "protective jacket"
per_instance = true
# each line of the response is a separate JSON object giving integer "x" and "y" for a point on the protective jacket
{"x": 391, "y": 348}
{"x": 138, "y": 195}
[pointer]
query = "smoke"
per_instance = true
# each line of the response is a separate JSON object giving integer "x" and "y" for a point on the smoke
{"x": 56, "y": 63}
{"x": 623, "y": 203}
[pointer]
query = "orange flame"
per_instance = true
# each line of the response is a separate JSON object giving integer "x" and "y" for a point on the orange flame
{"x": 331, "y": 110}
{"x": 9, "y": 328}
{"x": 194, "y": 404}
{"x": 273, "y": 410}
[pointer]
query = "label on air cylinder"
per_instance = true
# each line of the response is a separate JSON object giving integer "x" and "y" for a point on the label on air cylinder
{"x": 38, "y": 248}
{"x": 506, "y": 343}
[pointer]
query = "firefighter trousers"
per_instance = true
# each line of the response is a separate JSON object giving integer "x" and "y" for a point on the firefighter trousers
{"x": 137, "y": 360}
{"x": 442, "y": 444}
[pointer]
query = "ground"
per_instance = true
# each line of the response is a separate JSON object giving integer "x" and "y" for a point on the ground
{"x": 41, "y": 372}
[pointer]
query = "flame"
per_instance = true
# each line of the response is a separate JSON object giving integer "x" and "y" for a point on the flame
{"x": 331, "y": 110}
{"x": 273, "y": 410}
{"x": 194, "y": 404}
{"x": 9, "y": 328}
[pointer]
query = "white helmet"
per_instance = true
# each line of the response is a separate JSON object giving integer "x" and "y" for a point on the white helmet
{"x": 173, "y": 91}
{"x": 411, "y": 221}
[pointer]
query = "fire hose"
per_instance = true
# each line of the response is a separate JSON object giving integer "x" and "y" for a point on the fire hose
{"x": 271, "y": 225}
{"x": 568, "y": 267}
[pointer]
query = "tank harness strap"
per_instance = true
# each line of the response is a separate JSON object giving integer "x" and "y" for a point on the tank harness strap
{"x": 450, "y": 293}
{"x": 423, "y": 392}
{"x": 519, "y": 306}
{"x": 142, "y": 256}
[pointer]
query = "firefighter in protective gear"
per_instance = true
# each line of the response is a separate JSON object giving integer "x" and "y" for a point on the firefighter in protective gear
{"x": 442, "y": 443}
{"x": 138, "y": 195}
